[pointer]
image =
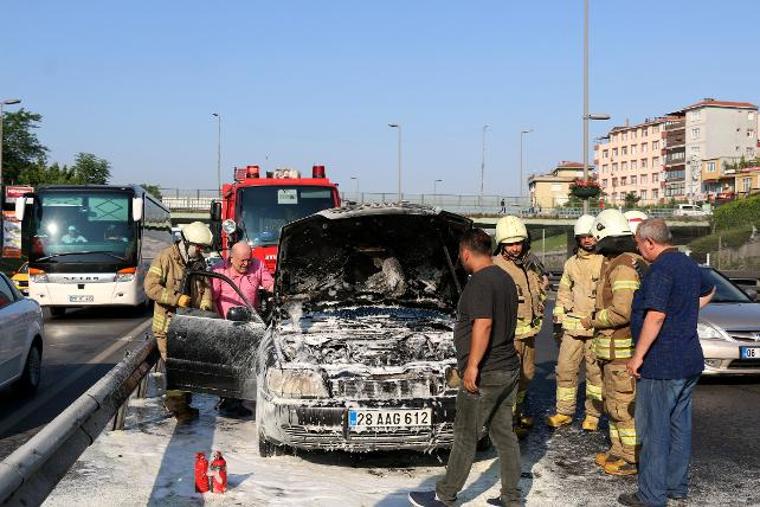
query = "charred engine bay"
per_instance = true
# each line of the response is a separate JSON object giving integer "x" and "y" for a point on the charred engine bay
{"x": 367, "y": 336}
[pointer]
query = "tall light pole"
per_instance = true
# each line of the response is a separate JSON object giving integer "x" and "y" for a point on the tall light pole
{"x": 4, "y": 102}
{"x": 483, "y": 159}
{"x": 435, "y": 186}
{"x": 398, "y": 126}
{"x": 522, "y": 136}
{"x": 218, "y": 117}
{"x": 356, "y": 184}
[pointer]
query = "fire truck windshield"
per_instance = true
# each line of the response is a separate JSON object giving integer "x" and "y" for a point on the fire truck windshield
{"x": 264, "y": 210}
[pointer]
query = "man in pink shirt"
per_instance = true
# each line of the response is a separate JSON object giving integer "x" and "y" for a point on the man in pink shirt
{"x": 246, "y": 273}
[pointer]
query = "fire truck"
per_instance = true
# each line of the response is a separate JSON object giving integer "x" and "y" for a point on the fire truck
{"x": 255, "y": 206}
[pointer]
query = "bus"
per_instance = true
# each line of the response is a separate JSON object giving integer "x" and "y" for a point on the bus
{"x": 91, "y": 245}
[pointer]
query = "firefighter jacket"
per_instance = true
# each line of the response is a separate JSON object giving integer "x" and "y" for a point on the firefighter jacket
{"x": 576, "y": 297}
{"x": 163, "y": 284}
{"x": 619, "y": 279}
{"x": 530, "y": 297}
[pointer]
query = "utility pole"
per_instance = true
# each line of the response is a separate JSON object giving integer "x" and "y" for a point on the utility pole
{"x": 522, "y": 135}
{"x": 398, "y": 126}
{"x": 585, "y": 99}
{"x": 218, "y": 151}
{"x": 483, "y": 160}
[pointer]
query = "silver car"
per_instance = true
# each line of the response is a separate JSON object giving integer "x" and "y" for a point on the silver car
{"x": 729, "y": 330}
{"x": 21, "y": 338}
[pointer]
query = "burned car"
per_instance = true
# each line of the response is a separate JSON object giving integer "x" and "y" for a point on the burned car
{"x": 359, "y": 353}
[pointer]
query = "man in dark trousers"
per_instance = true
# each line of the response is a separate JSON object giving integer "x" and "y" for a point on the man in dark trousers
{"x": 667, "y": 362}
{"x": 490, "y": 370}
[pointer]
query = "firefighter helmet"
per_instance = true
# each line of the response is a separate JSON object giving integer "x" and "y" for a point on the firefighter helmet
{"x": 634, "y": 218}
{"x": 510, "y": 229}
{"x": 198, "y": 233}
{"x": 610, "y": 223}
{"x": 583, "y": 225}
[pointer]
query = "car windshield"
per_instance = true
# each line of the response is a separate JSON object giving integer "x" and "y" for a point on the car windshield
{"x": 76, "y": 226}
{"x": 725, "y": 291}
{"x": 264, "y": 210}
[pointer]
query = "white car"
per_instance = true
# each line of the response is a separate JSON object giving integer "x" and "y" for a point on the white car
{"x": 689, "y": 210}
{"x": 21, "y": 339}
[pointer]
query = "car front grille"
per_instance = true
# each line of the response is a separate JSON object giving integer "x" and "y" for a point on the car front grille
{"x": 751, "y": 336}
{"x": 440, "y": 435}
{"x": 743, "y": 364}
{"x": 360, "y": 388}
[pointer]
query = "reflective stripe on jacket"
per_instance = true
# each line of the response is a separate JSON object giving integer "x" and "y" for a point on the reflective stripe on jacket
{"x": 530, "y": 297}
{"x": 163, "y": 284}
{"x": 576, "y": 297}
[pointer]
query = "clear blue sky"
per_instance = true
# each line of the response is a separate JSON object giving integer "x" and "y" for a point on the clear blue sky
{"x": 304, "y": 82}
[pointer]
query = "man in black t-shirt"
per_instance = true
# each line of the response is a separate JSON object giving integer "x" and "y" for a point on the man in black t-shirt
{"x": 490, "y": 370}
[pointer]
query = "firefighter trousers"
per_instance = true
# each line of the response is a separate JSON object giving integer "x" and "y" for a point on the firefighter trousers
{"x": 176, "y": 400}
{"x": 619, "y": 395}
{"x": 572, "y": 351}
{"x": 526, "y": 351}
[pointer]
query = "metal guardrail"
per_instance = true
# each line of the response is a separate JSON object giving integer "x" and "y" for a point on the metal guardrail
{"x": 33, "y": 470}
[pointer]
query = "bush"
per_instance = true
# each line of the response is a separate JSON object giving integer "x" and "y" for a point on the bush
{"x": 738, "y": 214}
{"x": 732, "y": 238}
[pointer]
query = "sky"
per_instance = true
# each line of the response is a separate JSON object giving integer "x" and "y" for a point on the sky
{"x": 299, "y": 83}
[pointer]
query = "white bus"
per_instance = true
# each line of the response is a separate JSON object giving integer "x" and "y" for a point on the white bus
{"x": 91, "y": 245}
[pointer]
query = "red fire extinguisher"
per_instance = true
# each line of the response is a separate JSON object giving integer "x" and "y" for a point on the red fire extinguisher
{"x": 201, "y": 473}
{"x": 218, "y": 473}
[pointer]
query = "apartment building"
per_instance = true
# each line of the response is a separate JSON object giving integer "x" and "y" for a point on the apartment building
{"x": 715, "y": 133}
{"x": 552, "y": 190}
{"x": 629, "y": 160}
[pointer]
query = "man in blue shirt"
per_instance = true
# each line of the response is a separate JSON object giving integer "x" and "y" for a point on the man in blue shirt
{"x": 667, "y": 363}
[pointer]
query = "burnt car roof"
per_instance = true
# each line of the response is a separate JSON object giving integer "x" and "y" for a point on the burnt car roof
{"x": 395, "y": 254}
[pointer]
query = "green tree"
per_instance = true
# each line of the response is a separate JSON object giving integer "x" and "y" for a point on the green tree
{"x": 631, "y": 200}
{"x": 153, "y": 190}
{"x": 89, "y": 169}
{"x": 22, "y": 149}
{"x": 39, "y": 174}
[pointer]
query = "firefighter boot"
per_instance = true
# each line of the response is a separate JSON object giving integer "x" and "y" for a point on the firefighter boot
{"x": 590, "y": 423}
{"x": 557, "y": 420}
{"x": 619, "y": 466}
{"x": 601, "y": 458}
{"x": 526, "y": 421}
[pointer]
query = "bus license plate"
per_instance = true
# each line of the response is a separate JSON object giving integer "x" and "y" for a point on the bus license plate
{"x": 749, "y": 352}
{"x": 81, "y": 299}
{"x": 381, "y": 419}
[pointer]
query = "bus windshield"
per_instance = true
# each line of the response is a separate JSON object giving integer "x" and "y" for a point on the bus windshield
{"x": 264, "y": 210}
{"x": 78, "y": 226}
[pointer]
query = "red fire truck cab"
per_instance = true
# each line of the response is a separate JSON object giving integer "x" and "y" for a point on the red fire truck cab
{"x": 254, "y": 207}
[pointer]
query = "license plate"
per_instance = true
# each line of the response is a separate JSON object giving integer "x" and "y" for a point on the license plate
{"x": 81, "y": 299}
{"x": 749, "y": 352}
{"x": 367, "y": 419}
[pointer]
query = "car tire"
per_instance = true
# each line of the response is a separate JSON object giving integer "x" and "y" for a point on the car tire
{"x": 484, "y": 444}
{"x": 30, "y": 377}
{"x": 267, "y": 448}
{"x": 57, "y": 311}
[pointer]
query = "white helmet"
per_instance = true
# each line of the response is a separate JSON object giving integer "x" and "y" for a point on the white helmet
{"x": 635, "y": 217}
{"x": 610, "y": 223}
{"x": 583, "y": 225}
{"x": 510, "y": 229}
{"x": 198, "y": 233}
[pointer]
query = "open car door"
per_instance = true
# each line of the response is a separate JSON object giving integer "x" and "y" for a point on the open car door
{"x": 206, "y": 353}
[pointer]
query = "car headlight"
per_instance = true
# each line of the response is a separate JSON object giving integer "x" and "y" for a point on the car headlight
{"x": 709, "y": 332}
{"x": 296, "y": 383}
{"x": 37, "y": 276}
{"x": 125, "y": 275}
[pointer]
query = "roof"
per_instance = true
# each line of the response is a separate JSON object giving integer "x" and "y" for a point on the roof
{"x": 566, "y": 164}
{"x": 721, "y": 103}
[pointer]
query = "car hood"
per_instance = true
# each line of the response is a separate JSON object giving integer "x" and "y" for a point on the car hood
{"x": 732, "y": 316}
{"x": 371, "y": 254}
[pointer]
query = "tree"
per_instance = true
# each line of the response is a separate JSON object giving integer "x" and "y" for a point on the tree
{"x": 90, "y": 170}
{"x": 39, "y": 174}
{"x": 153, "y": 190}
{"x": 21, "y": 148}
{"x": 631, "y": 200}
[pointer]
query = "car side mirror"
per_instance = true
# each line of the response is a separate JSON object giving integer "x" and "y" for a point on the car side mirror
{"x": 239, "y": 314}
{"x": 752, "y": 293}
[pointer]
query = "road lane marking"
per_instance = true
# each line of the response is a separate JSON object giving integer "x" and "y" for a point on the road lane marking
{"x": 39, "y": 402}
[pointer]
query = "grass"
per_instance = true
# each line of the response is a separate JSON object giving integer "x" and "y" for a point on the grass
{"x": 554, "y": 243}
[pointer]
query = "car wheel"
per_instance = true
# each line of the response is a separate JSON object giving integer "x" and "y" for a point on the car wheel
{"x": 57, "y": 311}
{"x": 267, "y": 448}
{"x": 30, "y": 378}
{"x": 484, "y": 444}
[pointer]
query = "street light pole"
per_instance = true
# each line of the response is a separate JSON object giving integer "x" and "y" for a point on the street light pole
{"x": 585, "y": 99}
{"x": 218, "y": 151}
{"x": 356, "y": 185}
{"x": 435, "y": 186}
{"x": 522, "y": 136}
{"x": 5, "y": 102}
{"x": 483, "y": 160}
{"x": 398, "y": 126}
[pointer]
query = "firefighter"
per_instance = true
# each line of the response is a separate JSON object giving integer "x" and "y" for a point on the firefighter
{"x": 635, "y": 217}
{"x": 622, "y": 270}
{"x": 576, "y": 298}
{"x": 512, "y": 255}
{"x": 163, "y": 284}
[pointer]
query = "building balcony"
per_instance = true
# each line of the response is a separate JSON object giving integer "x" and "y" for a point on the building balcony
{"x": 675, "y": 125}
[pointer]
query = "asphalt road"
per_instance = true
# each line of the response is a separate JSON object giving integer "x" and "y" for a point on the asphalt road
{"x": 80, "y": 347}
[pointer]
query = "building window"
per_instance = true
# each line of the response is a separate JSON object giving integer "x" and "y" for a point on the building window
{"x": 655, "y": 145}
{"x": 655, "y": 161}
{"x": 655, "y": 177}
{"x": 643, "y": 194}
{"x": 606, "y": 154}
{"x": 643, "y": 163}
{"x": 696, "y": 115}
{"x": 695, "y": 150}
{"x": 655, "y": 129}
{"x": 633, "y": 134}
{"x": 644, "y": 147}
{"x": 633, "y": 164}
{"x": 644, "y": 132}
{"x": 711, "y": 167}
{"x": 625, "y": 136}
{"x": 613, "y": 137}
{"x": 624, "y": 181}
{"x": 614, "y": 167}
{"x": 604, "y": 168}
{"x": 604, "y": 182}
{"x": 695, "y": 132}
{"x": 633, "y": 180}
{"x": 624, "y": 150}
{"x": 746, "y": 184}
{"x": 643, "y": 179}
{"x": 614, "y": 182}
{"x": 655, "y": 193}
{"x": 614, "y": 196}
{"x": 614, "y": 152}
{"x": 751, "y": 116}
{"x": 750, "y": 133}
{"x": 633, "y": 149}
{"x": 750, "y": 152}
{"x": 624, "y": 166}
